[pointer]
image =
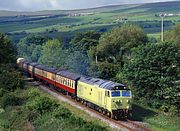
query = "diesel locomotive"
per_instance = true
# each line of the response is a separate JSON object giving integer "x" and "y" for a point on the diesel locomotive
{"x": 110, "y": 98}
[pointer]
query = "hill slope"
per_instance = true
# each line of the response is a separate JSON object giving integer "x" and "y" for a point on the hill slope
{"x": 65, "y": 23}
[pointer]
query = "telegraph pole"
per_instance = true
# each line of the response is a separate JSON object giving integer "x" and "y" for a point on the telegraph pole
{"x": 162, "y": 26}
{"x": 96, "y": 59}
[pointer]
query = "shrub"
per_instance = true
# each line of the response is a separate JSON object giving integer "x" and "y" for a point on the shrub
{"x": 32, "y": 93}
{"x": 173, "y": 110}
{"x": 11, "y": 100}
{"x": 32, "y": 115}
{"x": 1, "y": 92}
{"x": 10, "y": 78}
{"x": 62, "y": 113}
{"x": 42, "y": 104}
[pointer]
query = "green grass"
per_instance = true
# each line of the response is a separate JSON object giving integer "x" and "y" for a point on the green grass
{"x": 155, "y": 35}
{"x": 158, "y": 121}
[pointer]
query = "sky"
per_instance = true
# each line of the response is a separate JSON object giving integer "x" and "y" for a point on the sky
{"x": 36, "y": 5}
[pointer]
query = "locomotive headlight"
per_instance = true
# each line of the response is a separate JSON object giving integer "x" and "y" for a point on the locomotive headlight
{"x": 128, "y": 101}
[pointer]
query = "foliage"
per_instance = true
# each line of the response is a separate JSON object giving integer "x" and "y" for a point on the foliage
{"x": 154, "y": 71}
{"x": 119, "y": 41}
{"x": 42, "y": 104}
{"x": 85, "y": 40}
{"x": 10, "y": 100}
{"x": 7, "y": 51}
{"x": 105, "y": 70}
{"x": 115, "y": 48}
{"x": 77, "y": 62}
{"x": 173, "y": 35}
{"x": 30, "y": 46}
{"x": 10, "y": 78}
{"x": 36, "y": 54}
{"x": 40, "y": 112}
{"x": 53, "y": 54}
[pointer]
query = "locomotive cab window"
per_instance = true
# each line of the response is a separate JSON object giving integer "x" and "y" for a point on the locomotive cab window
{"x": 115, "y": 93}
{"x": 126, "y": 93}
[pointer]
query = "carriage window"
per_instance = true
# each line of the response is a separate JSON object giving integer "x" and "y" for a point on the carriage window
{"x": 72, "y": 84}
{"x": 60, "y": 78}
{"x": 68, "y": 82}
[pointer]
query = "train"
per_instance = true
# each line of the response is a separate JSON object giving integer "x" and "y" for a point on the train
{"x": 109, "y": 98}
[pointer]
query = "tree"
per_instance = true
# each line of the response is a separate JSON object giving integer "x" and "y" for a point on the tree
{"x": 115, "y": 48}
{"x": 119, "y": 42}
{"x": 173, "y": 35}
{"x": 85, "y": 40}
{"x": 7, "y": 51}
{"x": 53, "y": 54}
{"x": 154, "y": 70}
{"x": 36, "y": 54}
{"x": 10, "y": 79}
{"x": 27, "y": 45}
{"x": 77, "y": 62}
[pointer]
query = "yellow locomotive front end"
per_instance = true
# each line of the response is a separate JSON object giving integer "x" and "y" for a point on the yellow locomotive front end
{"x": 121, "y": 103}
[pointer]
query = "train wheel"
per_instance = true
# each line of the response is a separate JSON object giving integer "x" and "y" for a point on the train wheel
{"x": 100, "y": 110}
{"x": 104, "y": 112}
{"x": 109, "y": 114}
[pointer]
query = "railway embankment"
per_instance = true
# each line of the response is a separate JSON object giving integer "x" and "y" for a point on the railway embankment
{"x": 32, "y": 109}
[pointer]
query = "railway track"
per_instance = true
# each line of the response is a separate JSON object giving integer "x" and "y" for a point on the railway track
{"x": 127, "y": 125}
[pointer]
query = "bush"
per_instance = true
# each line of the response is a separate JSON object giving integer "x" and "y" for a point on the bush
{"x": 1, "y": 92}
{"x": 32, "y": 115}
{"x": 11, "y": 100}
{"x": 10, "y": 78}
{"x": 62, "y": 113}
{"x": 33, "y": 93}
{"x": 42, "y": 104}
{"x": 173, "y": 110}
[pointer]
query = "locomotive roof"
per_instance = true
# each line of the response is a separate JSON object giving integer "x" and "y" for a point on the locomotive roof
{"x": 110, "y": 85}
{"x": 68, "y": 74}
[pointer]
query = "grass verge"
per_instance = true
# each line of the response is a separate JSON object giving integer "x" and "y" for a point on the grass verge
{"x": 32, "y": 109}
{"x": 158, "y": 121}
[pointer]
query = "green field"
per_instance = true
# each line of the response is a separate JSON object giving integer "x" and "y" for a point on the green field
{"x": 60, "y": 23}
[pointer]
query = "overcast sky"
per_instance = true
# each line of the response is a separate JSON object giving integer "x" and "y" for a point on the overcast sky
{"x": 34, "y": 5}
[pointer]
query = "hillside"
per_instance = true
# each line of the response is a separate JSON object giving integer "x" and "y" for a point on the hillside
{"x": 153, "y": 7}
{"x": 62, "y": 22}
